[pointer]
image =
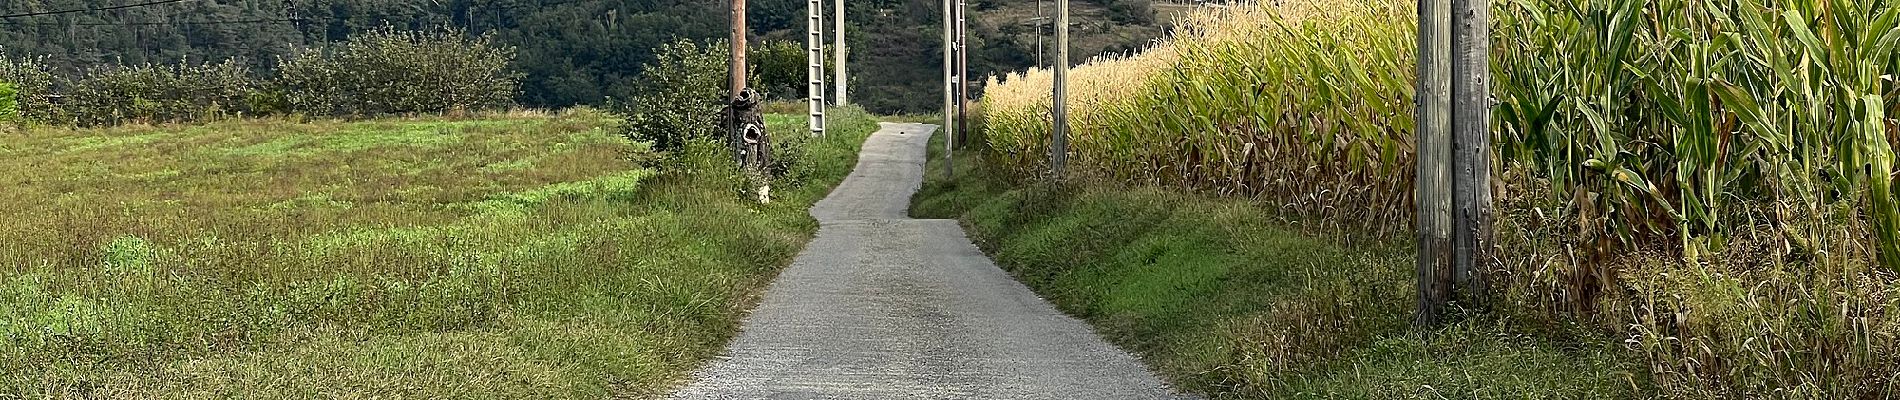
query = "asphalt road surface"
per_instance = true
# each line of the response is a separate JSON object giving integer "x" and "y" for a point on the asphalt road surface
{"x": 881, "y": 306}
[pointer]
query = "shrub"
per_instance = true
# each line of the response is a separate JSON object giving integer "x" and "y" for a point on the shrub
{"x": 159, "y": 93}
{"x": 32, "y": 85}
{"x": 9, "y": 103}
{"x": 780, "y": 66}
{"x": 679, "y": 97}
{"x": 1131, "y": 12}
{"x": 778, "y": 69}
{"x": 793, "y": 163}
{"x": 387, "y": 71}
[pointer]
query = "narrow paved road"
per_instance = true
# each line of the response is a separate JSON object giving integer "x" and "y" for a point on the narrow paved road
{"x": 881, "y": 306}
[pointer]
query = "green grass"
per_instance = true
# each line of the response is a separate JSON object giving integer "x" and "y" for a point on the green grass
{"x": 502, "y": 256}
{"x": 1225, "y": 299}
{"x": 936, "y": 119}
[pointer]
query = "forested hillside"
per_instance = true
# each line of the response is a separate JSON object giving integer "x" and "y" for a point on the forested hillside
{"x": 570, "y": 51}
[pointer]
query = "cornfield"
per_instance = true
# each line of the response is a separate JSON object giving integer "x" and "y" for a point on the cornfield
{"x": 1712, "y": 179}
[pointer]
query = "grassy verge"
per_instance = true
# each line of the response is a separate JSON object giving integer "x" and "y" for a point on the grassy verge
{"x": 505, "y": 256}
{"x": 913, "y": 118}
{"x": 1225, "y": 300}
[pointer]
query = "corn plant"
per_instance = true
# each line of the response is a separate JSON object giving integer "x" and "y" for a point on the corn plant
{"x": 1713, "y": 178}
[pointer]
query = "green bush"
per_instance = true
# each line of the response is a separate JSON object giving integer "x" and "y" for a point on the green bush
{"x": 780, "y": 67}
{"x": 1131, "y": 12}
{"x": 32, "y": 87}
{"x": 159, "y": 93}
{"x": 792, "y": 162}
{"x": 385, "y": 71}
{"x": 679, "y": 96}
{"x": 9, "y": 103}
{"x": 388, "y": 71}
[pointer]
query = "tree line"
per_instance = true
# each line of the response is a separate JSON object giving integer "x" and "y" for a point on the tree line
{"x": 568, "y": 52}
{"x": 383, "y": 71}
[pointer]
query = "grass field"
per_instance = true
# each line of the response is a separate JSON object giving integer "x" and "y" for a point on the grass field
{"x": 521, "y": 255}
{"x": 1225, "y": 299}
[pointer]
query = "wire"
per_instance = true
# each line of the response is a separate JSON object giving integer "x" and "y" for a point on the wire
{"x": 225, "y": 22}
{"x": 118, "y": 7}
{"x": 542, "y": 4}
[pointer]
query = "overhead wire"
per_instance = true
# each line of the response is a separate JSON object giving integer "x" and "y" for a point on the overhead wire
{"x": 4, "y": 21}
{"x": 95, "y": 9}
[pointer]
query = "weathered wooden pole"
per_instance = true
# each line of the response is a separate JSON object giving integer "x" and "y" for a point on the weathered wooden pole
{"x": 1432, "y": 187}
{"x": 1059, "y": 129}
{"x": 838, "y": 51}
{"x": 963, "y": 70}
{"x": 736, "y": 73}
{"x": 1471, "y": 130}
{"x": 949, "y": 89}
{"x": 1039, "y": 21}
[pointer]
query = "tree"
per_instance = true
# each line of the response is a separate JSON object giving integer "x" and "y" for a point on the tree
{"x": 679, "y": 96}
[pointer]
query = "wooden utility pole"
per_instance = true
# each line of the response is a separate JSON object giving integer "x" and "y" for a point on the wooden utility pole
{"x": 1471, "y": 131}
{"x": 1454, "y": 154}
{"x": 838, "y": 51}
{"x": 737, "y": 71}
{"x": 1432, "y": 187}
{"x": 1059, "y": 131}
{"x": 963, "y": 70}
{"x": 815, "y": 65}
{"x": 736, "y": 75}
{"x": 1039, "y": 21}
{"x": 751, "y": 144}
{"x": 949, "y": 88}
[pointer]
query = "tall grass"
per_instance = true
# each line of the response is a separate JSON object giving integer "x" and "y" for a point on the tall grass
{"x": 1257, "y": 101}
{"x": 1711, "y": 178}
{"x": 501, "y": 256}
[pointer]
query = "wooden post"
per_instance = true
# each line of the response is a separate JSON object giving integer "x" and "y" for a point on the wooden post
{"x": 838, "y": 52}
{"x": 1039, "y": 22}
{"x": 1059, "y": 130}
{"x": 1471, "y": 129}
{"x": 949, "y": 89}
{"x": 963, "y": 70}
{"x": 1432, "y": 187}
{"x": 736, "y": 73}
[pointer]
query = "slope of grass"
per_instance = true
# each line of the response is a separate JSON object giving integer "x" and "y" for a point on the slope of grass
{"x": 505, "y": 256}
{"x": 1228, "y": 301}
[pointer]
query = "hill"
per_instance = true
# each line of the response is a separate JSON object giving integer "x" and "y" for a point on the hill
{"x": 570, "y": 51}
